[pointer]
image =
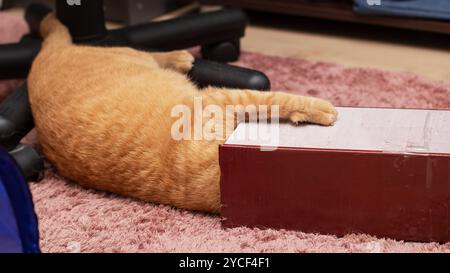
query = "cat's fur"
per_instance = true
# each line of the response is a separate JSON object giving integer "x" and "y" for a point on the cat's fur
{"x": 103, "y": 117}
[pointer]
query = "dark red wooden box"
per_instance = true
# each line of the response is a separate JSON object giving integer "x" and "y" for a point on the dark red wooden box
{"x": 383, "y": 172}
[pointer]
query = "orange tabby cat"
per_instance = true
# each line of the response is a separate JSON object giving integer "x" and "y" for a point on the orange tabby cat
{"x": 103, "y": 117}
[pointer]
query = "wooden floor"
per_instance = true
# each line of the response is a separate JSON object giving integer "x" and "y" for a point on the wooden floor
{"x": 425, "y": 54}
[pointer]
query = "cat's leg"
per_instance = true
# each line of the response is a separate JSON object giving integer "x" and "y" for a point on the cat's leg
{"x": 180, "y": 60}
{"x": 296, "y": 108}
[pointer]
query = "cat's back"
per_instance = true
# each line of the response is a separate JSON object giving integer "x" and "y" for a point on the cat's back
{"x": 83, "y": 68}
{"x": 84, "y": 78}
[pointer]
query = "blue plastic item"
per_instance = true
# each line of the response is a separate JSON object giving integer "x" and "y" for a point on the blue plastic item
{"x": 18, "y": 222}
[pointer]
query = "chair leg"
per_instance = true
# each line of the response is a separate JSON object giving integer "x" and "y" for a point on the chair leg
{"x": 212, "y": 28}
{"x": 225, "y": 51}
{"x": 16, "y": 119}
{"x": 16, "y": 59}
{"x": 207, "y": 73}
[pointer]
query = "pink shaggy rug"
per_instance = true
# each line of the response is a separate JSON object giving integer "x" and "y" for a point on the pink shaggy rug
{"x": 76, "y": 219}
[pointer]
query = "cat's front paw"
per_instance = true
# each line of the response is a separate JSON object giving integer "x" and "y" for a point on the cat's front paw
{"x": 316, "y": 111}
{"x": 181, "y": 61}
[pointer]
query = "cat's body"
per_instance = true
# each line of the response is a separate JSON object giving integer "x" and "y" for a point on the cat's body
{"x": 103, "y": 117}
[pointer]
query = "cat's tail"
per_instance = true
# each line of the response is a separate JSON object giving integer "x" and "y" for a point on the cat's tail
{"x": 54, "y": 33}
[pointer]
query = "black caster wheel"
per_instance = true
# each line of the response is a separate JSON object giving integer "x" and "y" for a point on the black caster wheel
{"x": 30, "y": 162}
{"x": 227, "y": 51}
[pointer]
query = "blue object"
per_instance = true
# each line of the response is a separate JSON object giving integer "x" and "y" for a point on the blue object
{"x": 432, "y": 9}
{"x": 18, "y": 222}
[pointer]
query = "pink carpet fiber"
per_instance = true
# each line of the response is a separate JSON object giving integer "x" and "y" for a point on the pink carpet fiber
{"x": 76, "y": 219}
